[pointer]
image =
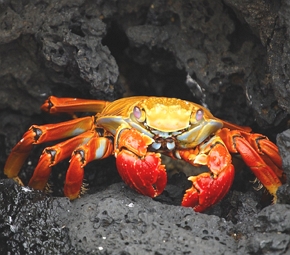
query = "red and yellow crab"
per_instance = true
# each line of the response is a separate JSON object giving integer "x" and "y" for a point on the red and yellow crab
{"x": 136, "y": 130}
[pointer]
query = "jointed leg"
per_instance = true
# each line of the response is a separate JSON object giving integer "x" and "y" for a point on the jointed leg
{"x": 72, "y": 105}
{"x": 53, "y": 155}
{"x": 86, "y": 139}
{"x": 259, "y": 154}
{"x": 96, "y": 148}
{"x": 41, "y": 134}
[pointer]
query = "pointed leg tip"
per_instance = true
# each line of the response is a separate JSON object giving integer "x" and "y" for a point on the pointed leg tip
{"x": 18, "y": 180}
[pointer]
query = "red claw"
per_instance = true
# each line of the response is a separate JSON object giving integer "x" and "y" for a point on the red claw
{"x": 209, "y": 188}
{"x": 138, "y": 168}
{"x": 146, "y": 174}
{"x": 206, "y": 190}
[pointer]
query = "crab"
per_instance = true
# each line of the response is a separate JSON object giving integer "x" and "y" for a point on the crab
{"x": 137, "y": 130}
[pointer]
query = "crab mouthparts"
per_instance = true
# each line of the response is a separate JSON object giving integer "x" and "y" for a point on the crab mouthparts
{"x": 163, "y": 141}
{"x": 163, "y": 144}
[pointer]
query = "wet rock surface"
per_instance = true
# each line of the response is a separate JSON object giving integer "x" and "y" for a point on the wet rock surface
{"x": 231, "y": 56}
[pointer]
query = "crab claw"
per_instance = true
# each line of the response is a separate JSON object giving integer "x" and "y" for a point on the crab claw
{"x": 209, "y": 188}
{"x": 138, "y": 168}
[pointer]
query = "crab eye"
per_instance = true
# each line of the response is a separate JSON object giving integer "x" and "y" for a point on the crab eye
{"x": 199, "y": 115}
{"x": 139, "y": 114}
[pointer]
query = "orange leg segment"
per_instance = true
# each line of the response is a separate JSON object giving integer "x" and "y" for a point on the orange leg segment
{"x": 96, "y": 148}
{"x": 52, "y": 156}
{"x": 41, "y": 134}
{"x": 268, "y": 151}
{"x": 70, "y": 105}
{"x": 260, "y": 154}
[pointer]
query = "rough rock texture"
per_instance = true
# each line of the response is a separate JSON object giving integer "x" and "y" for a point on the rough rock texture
{"x": 231, "y": 56}
{"x": 119, "y": 221}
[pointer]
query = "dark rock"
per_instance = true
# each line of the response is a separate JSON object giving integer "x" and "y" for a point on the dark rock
{"x": 99, "y": 223}
{"x": 268, "y": 220}
{"x": 283, "y": 142}
{"x": 118, "y": 217}
{"x": 119, "y": 221}
{"x": 266, "y": 243}
{"x": 214, "y": 53}
{"x": 29, "y": 223}
{"x": 260, "y": 16}
{"x": 278, "y": 58}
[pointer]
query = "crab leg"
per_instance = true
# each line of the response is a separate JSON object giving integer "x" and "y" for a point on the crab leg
{"x": 71, "y": 105}
{"x": 267, "y": 150}
{"x": 41, "y": 134}
{"x": 210, "y": 187}
{"x": 260, "y": 154}
{"x": 52, "y": 156}
{"x": 96, "y": 148}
